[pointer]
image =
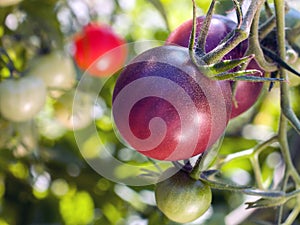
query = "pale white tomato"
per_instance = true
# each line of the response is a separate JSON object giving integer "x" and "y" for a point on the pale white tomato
{"x": 57, "y": 71}
{"x": 21, "y": 99}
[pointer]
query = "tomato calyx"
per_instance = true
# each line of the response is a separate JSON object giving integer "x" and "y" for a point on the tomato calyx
{"x": 211, "y": 64}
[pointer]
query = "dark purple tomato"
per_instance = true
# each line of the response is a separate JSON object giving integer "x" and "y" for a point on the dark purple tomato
{"x": 166, "y": 109}
{"x": 247, "y": 93}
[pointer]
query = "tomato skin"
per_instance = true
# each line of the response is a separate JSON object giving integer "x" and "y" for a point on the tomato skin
{"x": 94, "y": 42}
{"x": 247, "y": 93}
{"x": 181, "y": 198}
{"x": 164, "y": 83}
{"x": 22, "y": 99}
{"x": 57, "y": 71}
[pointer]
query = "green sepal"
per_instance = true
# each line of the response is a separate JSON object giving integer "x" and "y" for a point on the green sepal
{"x": 259, "y": 79}
{"x": 225, "y": 65}
{"x": 266, "y": 202}
{"x": 264, "y": 194}
{"x": 238, "y": 75}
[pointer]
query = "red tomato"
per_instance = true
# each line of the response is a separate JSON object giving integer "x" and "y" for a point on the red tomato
{"x": 99, "y": 50}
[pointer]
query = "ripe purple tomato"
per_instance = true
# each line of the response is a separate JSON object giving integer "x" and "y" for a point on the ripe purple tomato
{"x": 247, "y": 92}
{"x": 166, "y": 109}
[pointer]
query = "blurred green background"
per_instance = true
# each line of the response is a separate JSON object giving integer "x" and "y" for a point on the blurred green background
{"x": 44, "y": 178}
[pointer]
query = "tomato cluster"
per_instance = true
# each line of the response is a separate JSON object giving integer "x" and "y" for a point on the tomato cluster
{"x": 166, "y": 109}
{"x": 246, "y": 93}
{"x": 52, "y": 74}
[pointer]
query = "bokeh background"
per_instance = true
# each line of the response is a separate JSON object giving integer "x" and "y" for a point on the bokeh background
{"x": 44, "y": 177}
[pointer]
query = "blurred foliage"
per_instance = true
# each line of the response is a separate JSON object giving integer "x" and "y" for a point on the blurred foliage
{"x": 44, "y": 179}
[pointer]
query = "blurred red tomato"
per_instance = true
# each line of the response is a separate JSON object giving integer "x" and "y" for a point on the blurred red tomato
{"x": 99, "y": 50}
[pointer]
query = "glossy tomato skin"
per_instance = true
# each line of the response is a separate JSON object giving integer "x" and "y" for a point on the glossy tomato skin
{"x": 181, "y": 198}
{"x": 247, "y": 93}
{"x": 22, "y": 99}
{"x": 99, "y": 42}
{"x": 166, "y": 109}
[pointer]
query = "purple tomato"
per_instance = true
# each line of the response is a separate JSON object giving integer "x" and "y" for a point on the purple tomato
{"x": 166, "y": 109}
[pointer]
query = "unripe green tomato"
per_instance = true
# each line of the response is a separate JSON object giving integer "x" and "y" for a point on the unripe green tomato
{"x": 57, "y": 71}
{"x": 21, "y": 99}
{"x": 74, "y": 111}
{"x": 181, "y": 198}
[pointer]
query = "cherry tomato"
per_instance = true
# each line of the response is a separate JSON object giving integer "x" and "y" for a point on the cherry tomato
{"x": 74, "y": 116}
{"x": 166, "y": 109}
{"x": 247, "y": 93}
{"x": 57, "y": 71}
{"x": 21, "y": 99}
{"x": 181, "y": 198}
{"x": 99, "y": 43}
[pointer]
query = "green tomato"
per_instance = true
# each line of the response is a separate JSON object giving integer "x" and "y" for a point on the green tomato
{"x": 181, "y": 198}
{"x": 57, "y": 71}
{"x": 74, "y": 116}
{"x": 22, "y": 99}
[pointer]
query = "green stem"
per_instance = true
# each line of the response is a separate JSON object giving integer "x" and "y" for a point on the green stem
{"x": 246, "y": 154}
{"x": 293, "y": 215}
{"x": 267, "y": 27}
{"x": 239, "y": 13}
{"x": 204, "y": 29}
{"x": 237, "y": 36}
{"x": 286, "y": 108}
{"x": 284, "y": 93}
{"x": 254, "y": 45}
{"x": 257, "y": 171}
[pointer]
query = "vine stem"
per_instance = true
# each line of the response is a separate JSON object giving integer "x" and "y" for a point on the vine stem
{"x": 254, "y": 45}
{"x": 286, "y": 113}
{"x": 237, "y": 36}
{"x": 249, "y": 152}
{"x": 284, "y": 92}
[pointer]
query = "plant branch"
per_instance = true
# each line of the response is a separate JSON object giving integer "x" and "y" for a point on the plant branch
{"x": 205, "y": 27}
{"x": 236, "y": 36}
{"x": 254, "y": 45}
{"x": 287, "y": 113}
